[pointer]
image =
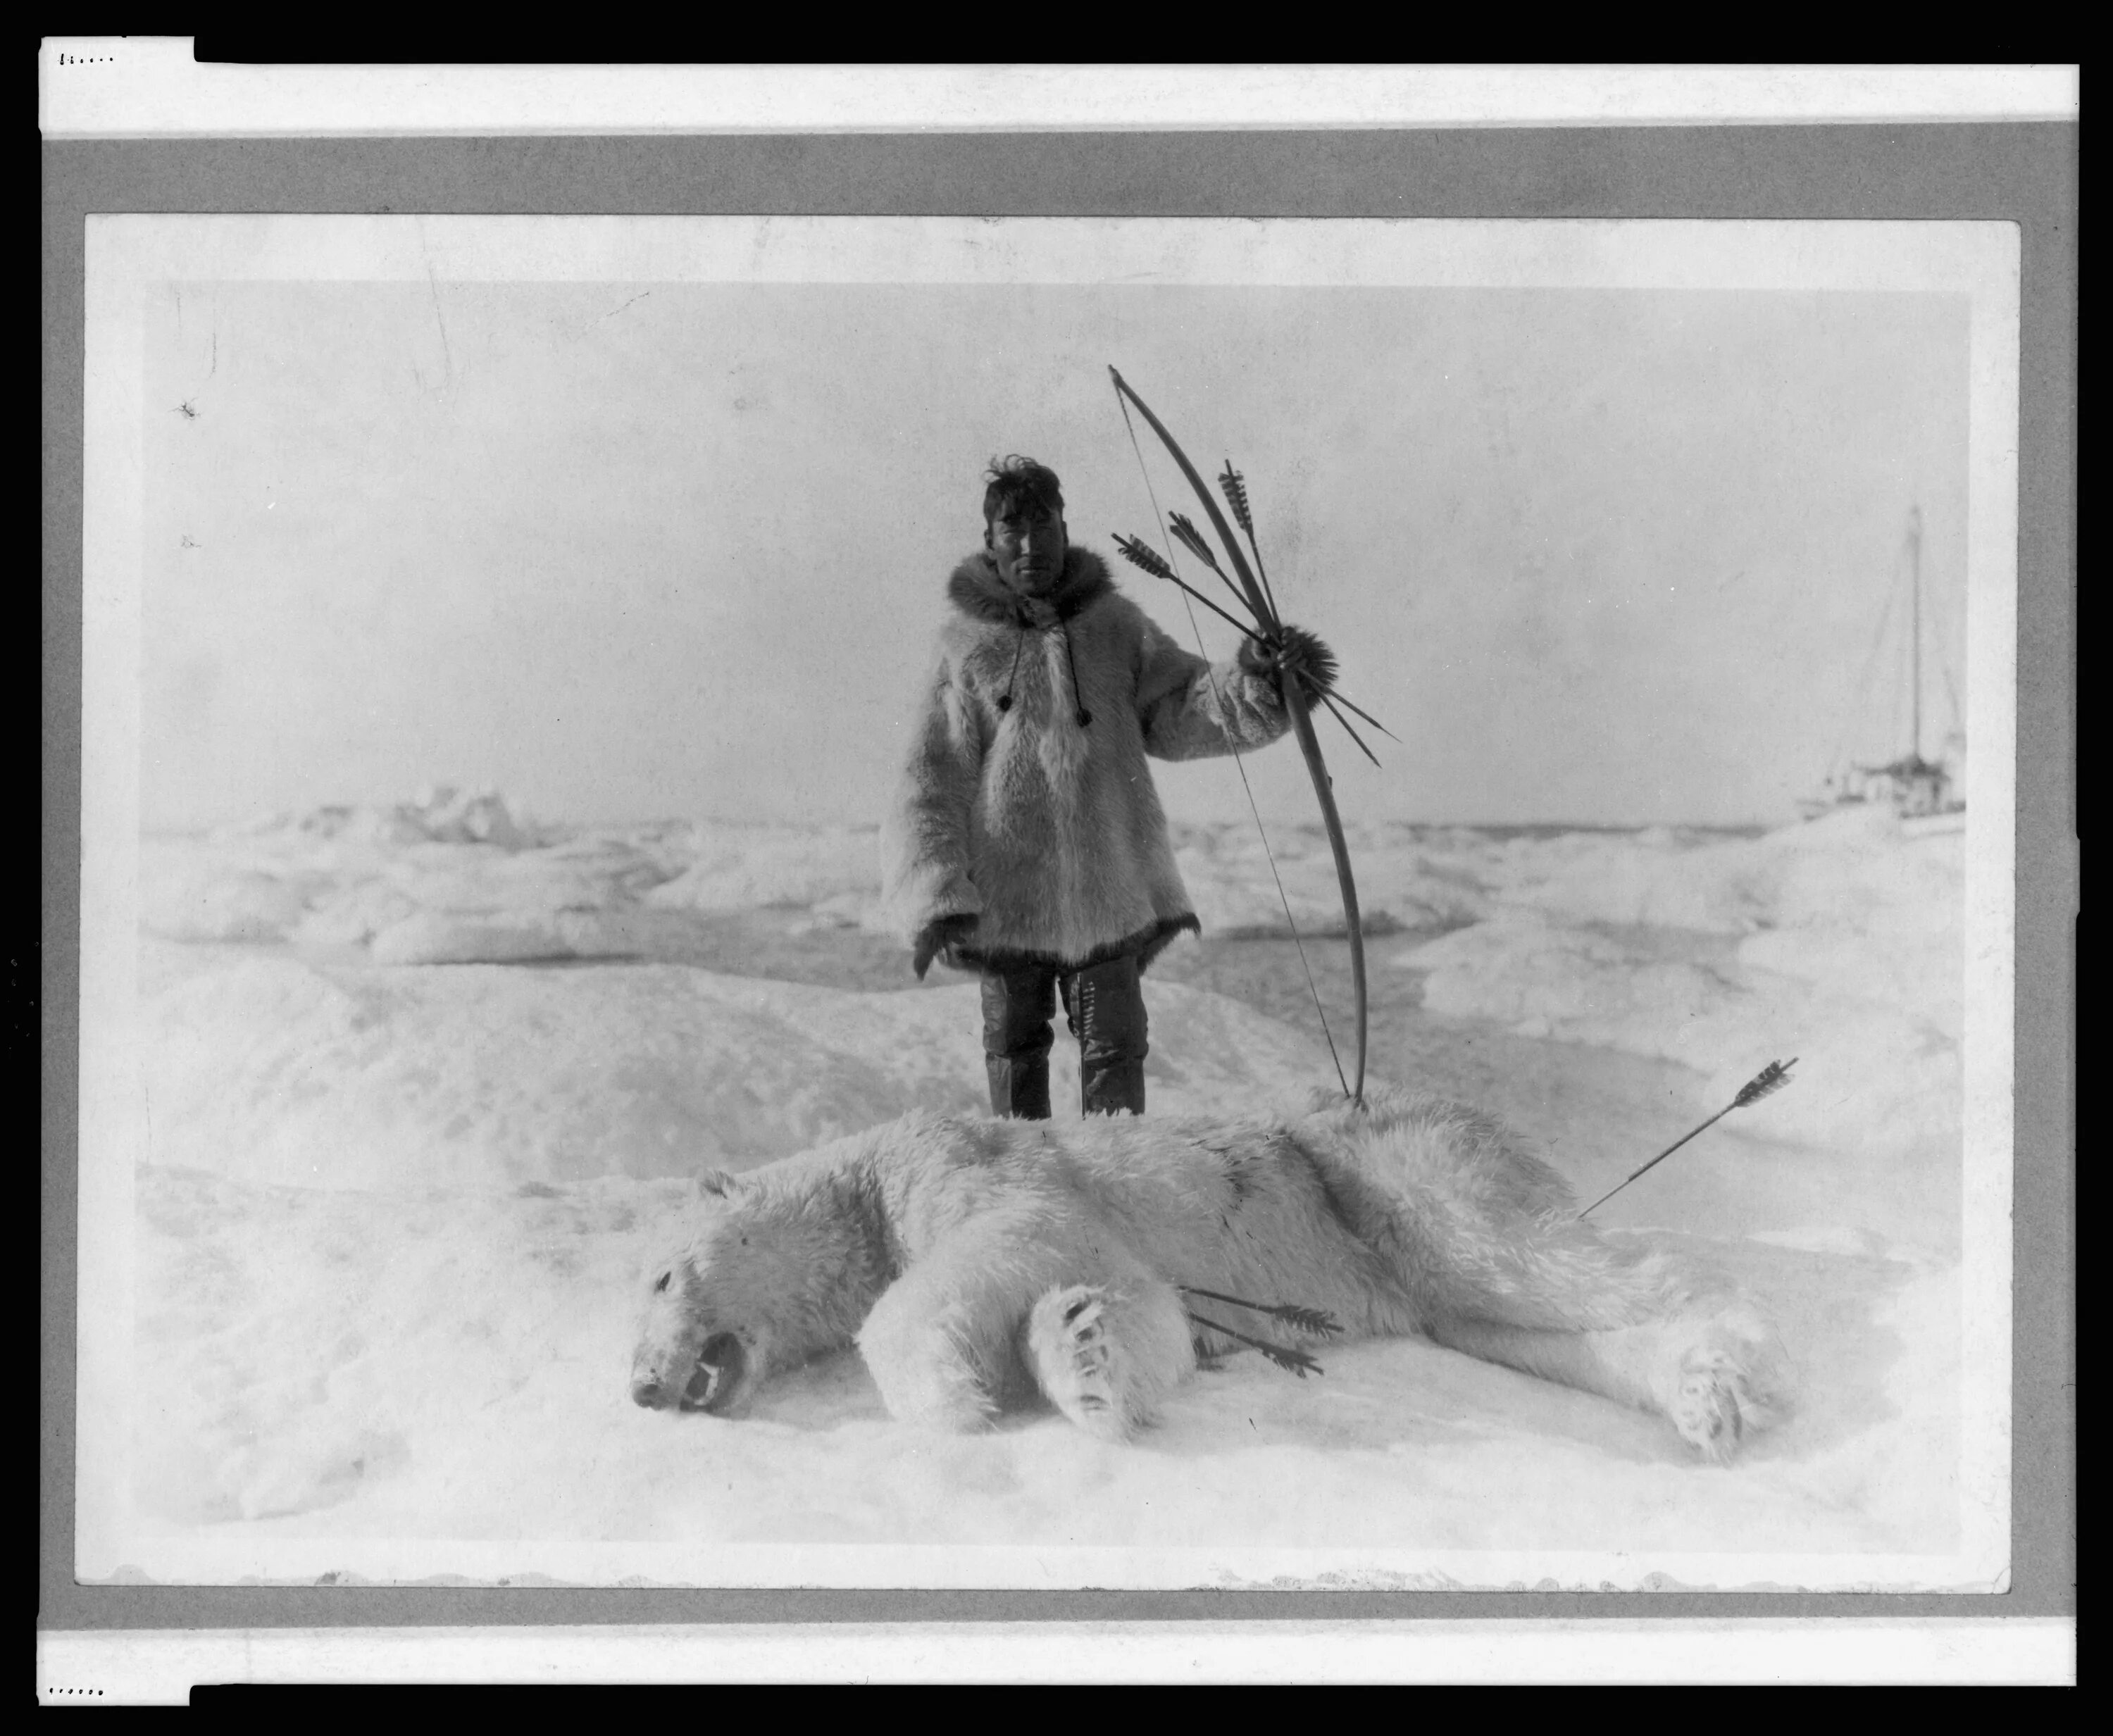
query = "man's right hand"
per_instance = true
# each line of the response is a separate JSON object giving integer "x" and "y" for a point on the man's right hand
{"x": 936, "y": 937}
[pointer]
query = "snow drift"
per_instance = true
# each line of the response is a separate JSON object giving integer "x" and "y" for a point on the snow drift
{"x": 272, "y": 1069}
{"x": 1850, "y": 955}
{"x": 422, "y": 1082}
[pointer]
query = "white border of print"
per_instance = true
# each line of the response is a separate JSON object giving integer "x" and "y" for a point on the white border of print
{"x": 135, "y": 1668}
{"x": 149, "y": 87}
{"x": 125, "y": 254}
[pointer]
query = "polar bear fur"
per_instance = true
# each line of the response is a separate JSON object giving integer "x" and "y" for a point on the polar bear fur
{"x": 975, "y": 1261}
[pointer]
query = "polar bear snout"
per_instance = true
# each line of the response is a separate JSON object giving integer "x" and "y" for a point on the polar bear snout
{"x": 713, "y": 1377}
{"x": 657, "y": 1381}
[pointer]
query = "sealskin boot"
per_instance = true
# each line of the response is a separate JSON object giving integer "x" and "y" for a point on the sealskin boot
{"x": 1019, "y": 1089}
{"x": 1106, "y": 1005}
{"x": 1115, "y": 1088}
{"x": 1019, "y": 1000}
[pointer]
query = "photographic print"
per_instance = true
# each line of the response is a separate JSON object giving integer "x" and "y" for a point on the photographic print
{"x": 1048, "y": 903}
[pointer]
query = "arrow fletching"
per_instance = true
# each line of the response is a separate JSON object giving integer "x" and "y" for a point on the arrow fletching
{"x": 1138, "y": 553}
{"x": 1774, "y": 1077}
{"x": 1771, "y": 1077}
{"x": 1236, "y": 486}
{"x": 1315, "y": 1322}
{"x": 1192, "y": 539}
{"x": 1298, "y": 1362}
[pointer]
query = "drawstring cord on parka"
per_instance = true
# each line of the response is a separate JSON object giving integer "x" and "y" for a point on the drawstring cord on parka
{"x": 1005, "y": 699}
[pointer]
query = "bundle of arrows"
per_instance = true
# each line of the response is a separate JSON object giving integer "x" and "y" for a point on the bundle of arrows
{"x": 1314, "y": 1322}
{"x": 1297, "y": 654}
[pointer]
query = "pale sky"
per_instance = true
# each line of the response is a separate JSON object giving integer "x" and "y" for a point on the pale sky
{"x": 631, "y": 551}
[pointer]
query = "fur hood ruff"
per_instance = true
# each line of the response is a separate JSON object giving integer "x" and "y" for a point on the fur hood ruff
{"x": 977, "y": 591}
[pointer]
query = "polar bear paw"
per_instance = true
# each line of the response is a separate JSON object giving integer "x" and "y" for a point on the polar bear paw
{"x": 1722, "y": 1393}
{"x": 1076, "y": 1359}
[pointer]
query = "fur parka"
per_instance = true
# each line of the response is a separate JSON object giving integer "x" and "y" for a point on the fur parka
{"x": 1026, "y": 800}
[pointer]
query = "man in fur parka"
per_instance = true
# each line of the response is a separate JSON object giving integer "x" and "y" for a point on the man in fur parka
{"x": 1026, "y": 841}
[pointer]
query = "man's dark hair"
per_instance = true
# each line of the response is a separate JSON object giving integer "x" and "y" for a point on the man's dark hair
{"x": 1016, "y": 481}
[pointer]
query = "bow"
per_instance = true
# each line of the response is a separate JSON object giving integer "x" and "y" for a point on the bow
{"x": 1269, "y": 632}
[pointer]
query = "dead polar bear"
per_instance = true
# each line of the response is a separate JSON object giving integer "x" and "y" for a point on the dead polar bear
{"x": 968, "y": 1259}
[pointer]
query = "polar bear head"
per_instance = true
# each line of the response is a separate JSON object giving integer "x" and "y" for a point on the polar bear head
{"x": 769, "y": 1269}
{"x": 705, "y": 1338}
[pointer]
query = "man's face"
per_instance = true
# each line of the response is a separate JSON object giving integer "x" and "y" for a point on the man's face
{"x": 1027, "y": 543}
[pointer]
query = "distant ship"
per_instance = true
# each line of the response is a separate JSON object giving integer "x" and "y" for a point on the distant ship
{"x": 1926, "y": 793}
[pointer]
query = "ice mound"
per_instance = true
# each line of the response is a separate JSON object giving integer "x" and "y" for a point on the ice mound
{"x": 353, "y": 1077}
{"x": 447, "y": 878}
{"x": 1840, "y": 941}
{"x": 353, "y": 915}
{"x": 455, "y": 879}
{"x": 441, "y": 813}
{"x": 1852, "y": 959}
{"x": 219, "y": 900}
{"x": 301, "y": 1350}
{"x": 442, "y": 937}
{"x": 753, "y": 867}
{"x": 1520, "y": 970}
{"x": 1843, "y": 867}
{"x": 1405, "y": 880}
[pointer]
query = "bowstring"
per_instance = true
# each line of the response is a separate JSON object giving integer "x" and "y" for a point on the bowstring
{"x": 1224, "y": 714}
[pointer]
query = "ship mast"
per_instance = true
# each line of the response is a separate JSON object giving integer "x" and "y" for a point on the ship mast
{"x": 1914, "y": 634}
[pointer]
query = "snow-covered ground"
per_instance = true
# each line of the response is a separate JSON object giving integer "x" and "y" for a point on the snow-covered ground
{"x": 421, "y": 1086}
